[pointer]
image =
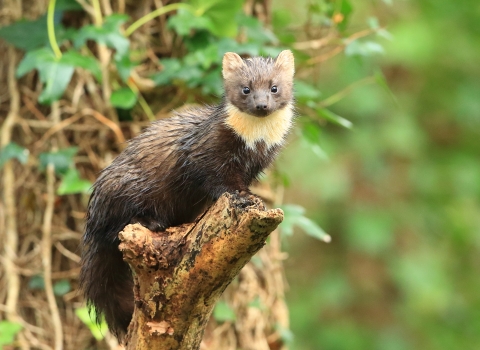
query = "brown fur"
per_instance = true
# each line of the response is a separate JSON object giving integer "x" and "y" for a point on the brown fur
{"x": 170, "y": 173}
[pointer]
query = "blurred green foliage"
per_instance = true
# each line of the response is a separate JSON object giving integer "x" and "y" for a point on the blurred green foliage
{"x": 87, "y": 317}
{"x": 8, "y": 330}
{"x": 399, "y": 193}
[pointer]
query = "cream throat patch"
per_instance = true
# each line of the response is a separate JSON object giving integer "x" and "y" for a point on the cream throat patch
{"x": 271, "y": 129}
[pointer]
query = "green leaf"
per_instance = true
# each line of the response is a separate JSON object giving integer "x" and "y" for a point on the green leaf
{"x": 62, "y": 287}
{"x": 291, "y": 213}
{"x": 36, "y": 282}
{"x": 97, "y": 330}
{"x": 108, "y": 34}
{"x": 294, "y": 216}
{"x": 312, "y": 229}
{"x": 56, "y": 78}
{"x": 53, "y": 73}
{"x": 220, "y": 13}
{"x": 67, "y": 5}
{"x": 124, "y": 66}
{"x": 76, "y": 59}
{"x": 255, "y": 30}
{"x": 171, "y": 67}
{"x": 212, "y": 83}
{"x": 334, "y": 118}
{"x": 185, "y": 21}
{"x": 72, "y": 183}
{"x": 61, "y": 160}
{"x": 30, "y": 35}
{"x": 32, "y": 60}
{"x": 123, "y": 98}
{"x": 223, "y": 312}
{"x": 13, "y": 151}
{"x": 346, "y": 10}
{"x": 203, "y": 58}
{"x": 8, "y": 331}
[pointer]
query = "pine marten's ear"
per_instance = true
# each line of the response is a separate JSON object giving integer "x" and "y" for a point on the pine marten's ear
{"x": 286, "y": 62}
{"x": 231, "y": 64}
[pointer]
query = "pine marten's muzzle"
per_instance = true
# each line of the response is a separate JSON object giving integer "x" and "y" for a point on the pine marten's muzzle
{"x": 262, "y": 104}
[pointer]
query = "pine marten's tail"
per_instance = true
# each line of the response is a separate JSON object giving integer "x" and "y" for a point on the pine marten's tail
{"x": 108, "y": 286}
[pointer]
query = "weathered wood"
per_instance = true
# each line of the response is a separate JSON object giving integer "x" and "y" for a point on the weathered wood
{"x": 179, "y": 274}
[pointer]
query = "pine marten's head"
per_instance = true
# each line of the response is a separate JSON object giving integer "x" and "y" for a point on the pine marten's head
{"x": 259, "y": 95}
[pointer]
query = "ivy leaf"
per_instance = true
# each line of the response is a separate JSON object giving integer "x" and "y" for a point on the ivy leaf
{"x": 62, "y": 287}
{"x": 31, "y": 35}
{"x": 124, "y": 66}
{"x": 212, "y": 83}
{"x": 13, "y": 151}
{"x": 97, "y": 330}
{"x": 76, "y": 59}
{"x": 123, "y": 98}
{"x": 61, "y": 160}
{"x": 36, "y": 282}
{"x": 220, "y": 13}
{"x": 256, "y": 32}
{"x": 72, "y": 183}
{"x": 171, "y": 66}
{"x": 68, "y": 5}
{"x": 223, "y": 312}
{"x": 294, "y": 216}
{"x": 8, "y": 331}
{"x": 56, "y": 77}
{"x": 54, "y": 73}
{"x": 108, "y": 34}
{"x": 185, "y": 21}
{"x": 203, "y": 58}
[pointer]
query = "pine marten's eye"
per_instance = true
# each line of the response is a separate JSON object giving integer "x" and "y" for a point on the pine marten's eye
{"x": 274, "y": 89}
{"x": 246, "y": 90}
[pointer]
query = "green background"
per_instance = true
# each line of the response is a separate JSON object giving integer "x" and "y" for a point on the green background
{"x": 399, "y": 193}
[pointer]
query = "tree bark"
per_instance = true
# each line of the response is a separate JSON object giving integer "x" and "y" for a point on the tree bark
{"x": 180, "y": 273}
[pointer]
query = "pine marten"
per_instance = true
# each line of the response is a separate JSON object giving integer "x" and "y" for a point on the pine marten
{"x": 176, "y": 168}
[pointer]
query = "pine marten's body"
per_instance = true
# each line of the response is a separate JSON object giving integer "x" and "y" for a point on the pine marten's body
{"x": 169, "y": 174}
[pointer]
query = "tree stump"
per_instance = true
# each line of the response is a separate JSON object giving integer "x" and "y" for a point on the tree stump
{"x": 180, "y": 273}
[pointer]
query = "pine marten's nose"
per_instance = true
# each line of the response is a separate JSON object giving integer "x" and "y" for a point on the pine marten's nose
{"x": 262, "y": 106}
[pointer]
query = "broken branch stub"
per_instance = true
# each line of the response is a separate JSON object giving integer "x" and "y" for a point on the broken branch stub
{"x": 180, "y": 273}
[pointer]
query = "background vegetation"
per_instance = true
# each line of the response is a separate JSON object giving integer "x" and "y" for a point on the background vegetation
{"x": 384, "y": 157}
{"x": 399, "y": 193}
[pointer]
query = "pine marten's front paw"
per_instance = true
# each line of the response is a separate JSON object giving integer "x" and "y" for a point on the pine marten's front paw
{"x": 153, "y": 225}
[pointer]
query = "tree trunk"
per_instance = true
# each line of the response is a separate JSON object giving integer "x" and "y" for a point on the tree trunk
{"x": 179, "y": 274}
